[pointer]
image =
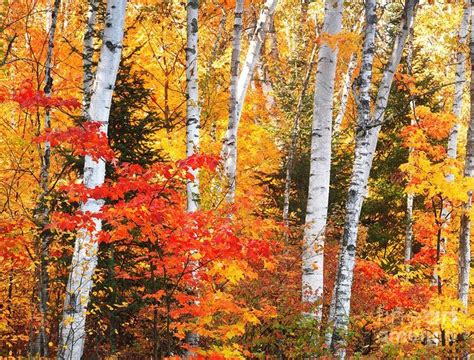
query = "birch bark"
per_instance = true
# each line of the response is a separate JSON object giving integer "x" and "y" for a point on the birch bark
{"x": 192, "y": 101}
{"x": 192, "y": 123}
{"x": 410, "y": 196}
{"x": 366, "y": 142}
{"x": 88, "y": 55}
{"x": 229, "y": 148}
{"x": 460, "y": 79}
{"x": 320, "y": 165}
{"x": 345, "y": 92}
{"x": 266, "y": 84}
{"x": 41, "y": 212}
{"x": 362, "y": 84}
{"x": 84, "y": 260}
{"x": 464, "y": 260}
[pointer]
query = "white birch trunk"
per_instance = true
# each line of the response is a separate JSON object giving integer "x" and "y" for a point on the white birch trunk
{"x": 459, "y": 79}
{"x": 320, "y": 165}
{"x": 409, "y": 228}
{"x": 464, "y": 260}
{"x": 229, "y": 148}
{"x": 294, "y": 138}
{"x": 253, "y": 53}
{"x": 192, "y": 123}
{"x": 410, "y": 196}
{"x": 345, "y": 92}
{"x": 266, "y": 84}
{"x": 88, "y": 55}
{"x": 192, "y": 101}
{"x": 366, "y": 142}
{"x": 362, "y": 99}
{"x": 84, "y": 260}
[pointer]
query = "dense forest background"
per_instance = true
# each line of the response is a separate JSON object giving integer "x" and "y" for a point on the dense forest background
{"x": 220, "y": 179}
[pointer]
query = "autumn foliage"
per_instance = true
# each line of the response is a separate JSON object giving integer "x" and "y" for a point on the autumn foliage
{"x": 229, "y": 273}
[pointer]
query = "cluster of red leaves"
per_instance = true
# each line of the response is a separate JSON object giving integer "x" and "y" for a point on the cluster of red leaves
{"x": 386, "y": 292}
{"x": 428, "y": 130}
{"x": 160, "y": 180}
{"x": 436, "y": 125}
{"x": 426, "y": 231}
{"x": 28, "y": 97}
{"x": 150, "y": 200}
{"x": 144, "y": 210}
{"x": 196, "y": 161}
{"x": 426, "y": 256}
{"x": 86, "y": 139}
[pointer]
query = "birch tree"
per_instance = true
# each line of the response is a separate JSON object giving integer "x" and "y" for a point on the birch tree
{"x": 229, "y": 148}
{"x": 459, "y": 79}
{"x": 192, "y": 100}
{"x": 192, "y": 120}
{"x": 459, "y": 82}
{"x": 362, "y": 97}
{"x": 347, "y": 82}
{"x": 88, "y": 55}
{"x": 345, "y": 92}
{"x": 464, "y": 261}
{"x": 42, "y": 210}
{"x": 410, "y": 195}
{"x": 228, "y": 154}
{"x": 368, "y": 128}
{"x": 320, "y": 165}
{"x": 84, "y": 260}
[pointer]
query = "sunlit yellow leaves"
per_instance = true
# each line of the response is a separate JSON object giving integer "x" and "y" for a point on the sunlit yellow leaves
{"x": 429, "y": 171}
{"x": 430, "y": 179}
{"x": 231, "y": 271}
{"x": 222, "y": 318}
{"x": 442, "y": 312}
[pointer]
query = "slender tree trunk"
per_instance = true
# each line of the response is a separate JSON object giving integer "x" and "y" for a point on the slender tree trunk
{"x": 192, "y": 122}
{"x": 409, "y": 229}
{"x": 410, "y": 196}
{"x": 320, "y": 165}
{"x": 464, "y": 261}
{"x": 345, "y": 92}
{"x": 366, "y": 142}
{"x": 362, "y": 98}
{"x": 253, "y": 57}
{"x": 229, "y": 148}
{"x": 266, "y": 84}
{"x": 294, "y": 138}
{"x": 88, "y": 55}
{"x": 84, "y": 260}
{"x": 460, "y": 79}
{"x": 42, "y": 210}
{"x": 192, "y": 100}
{"x": 263, "y": 68}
